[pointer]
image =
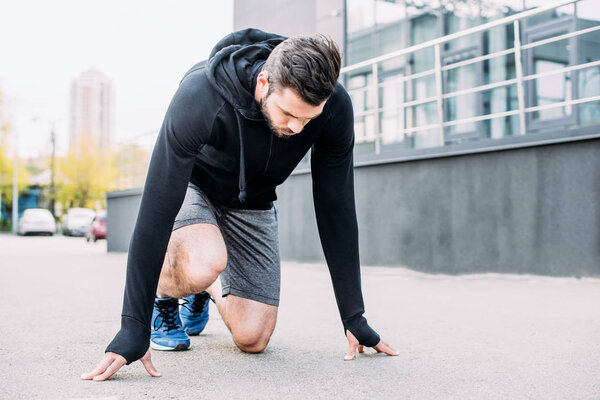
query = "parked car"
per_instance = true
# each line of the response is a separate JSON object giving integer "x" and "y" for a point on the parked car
{"x": 37, "y": 221}
{"x": 97, "y": 229}
{"x": 76, "y": 221}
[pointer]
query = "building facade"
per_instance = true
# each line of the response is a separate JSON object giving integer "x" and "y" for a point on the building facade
{"x": 92, "y": 110}
{"x": 477, "y": 127}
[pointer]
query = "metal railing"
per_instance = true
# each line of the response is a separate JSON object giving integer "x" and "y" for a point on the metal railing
{"x": 372, "y": 66}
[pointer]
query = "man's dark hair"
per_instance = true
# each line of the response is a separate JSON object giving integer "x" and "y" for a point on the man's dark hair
{"x": 309, "y": 65}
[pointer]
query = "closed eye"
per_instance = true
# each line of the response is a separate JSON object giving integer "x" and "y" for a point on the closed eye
{"x": 293, "y": 116}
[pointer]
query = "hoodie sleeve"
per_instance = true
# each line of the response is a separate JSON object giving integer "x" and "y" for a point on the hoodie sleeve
{"x": 182, "y": 133}
{"x": 333, "y": 192}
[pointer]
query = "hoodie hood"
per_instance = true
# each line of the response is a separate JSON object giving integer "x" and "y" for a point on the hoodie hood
{"x": 230, "y": 64}
{"x": 231, "y": 70}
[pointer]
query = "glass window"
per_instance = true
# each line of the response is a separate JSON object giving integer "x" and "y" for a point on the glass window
{"x": 464, "y": 17}
{"x": 557, "y": 13}
{"x": 427, "y": 138}
{"x": 588, "y": 10}
{"x": 391, "y": 98}
{"x": 588, "y": 79}
{"x": 551, "y": 89}
{"x": 360, "y": 14}
{"x": 388, "y": 11}
{"x": 360, "y": 48}
{"x": 361, "y": 91}
{"x": 375, "y": 27}
{"x": 379, "y": 27}
{"x": 589, "y": 86}
{"x": 418, "y": 117}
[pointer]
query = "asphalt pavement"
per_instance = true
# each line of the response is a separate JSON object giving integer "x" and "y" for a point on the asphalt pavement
{"x": 487, "y": 336}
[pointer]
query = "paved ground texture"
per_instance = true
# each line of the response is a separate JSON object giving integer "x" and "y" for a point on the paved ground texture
{"x": 468, "y": 337}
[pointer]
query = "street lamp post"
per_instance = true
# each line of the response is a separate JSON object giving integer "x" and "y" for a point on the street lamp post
{"x": 53, "y": 172}
{"x": 15, "y": 201}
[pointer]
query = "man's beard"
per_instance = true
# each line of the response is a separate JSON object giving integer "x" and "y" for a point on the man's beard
{"x": 277, "y": 131}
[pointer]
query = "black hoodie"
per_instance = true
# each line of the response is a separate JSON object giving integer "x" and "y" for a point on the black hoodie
{"x": 214, "y": 135}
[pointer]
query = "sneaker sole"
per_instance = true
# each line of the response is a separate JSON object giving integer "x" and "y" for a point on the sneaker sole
{"x": 193, "y": 333}
{"x": 179, "y": 347}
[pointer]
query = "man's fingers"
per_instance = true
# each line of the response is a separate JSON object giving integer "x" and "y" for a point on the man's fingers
{"x": 147, "y": 361}
{"x": 104, "y": 363}
{"x": 351, "y": 354}
{"x": 112, "y": 368}
{"x": 352, "y": 346}
{"x": 383, "y": 347}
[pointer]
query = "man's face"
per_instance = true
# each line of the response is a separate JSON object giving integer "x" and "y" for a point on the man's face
{"x": 286, "y": 113}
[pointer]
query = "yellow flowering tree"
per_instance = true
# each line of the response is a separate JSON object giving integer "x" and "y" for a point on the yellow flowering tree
{"x": 84, "y": 175}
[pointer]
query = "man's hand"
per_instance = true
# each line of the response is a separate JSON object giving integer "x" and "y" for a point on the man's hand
{"x": 381, "y": 347}
{"x": 112, "y": 362}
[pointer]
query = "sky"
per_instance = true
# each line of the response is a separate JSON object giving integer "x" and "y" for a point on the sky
{"x": 145, "y": 47}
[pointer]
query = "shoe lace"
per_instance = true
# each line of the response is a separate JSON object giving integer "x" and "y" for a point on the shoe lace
{"x": 167, "y": 311}
{"x": 198, "y": 304}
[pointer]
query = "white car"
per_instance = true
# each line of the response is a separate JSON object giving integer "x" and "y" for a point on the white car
{"x": 77, "y": 220}
{"x": 37, "y": 220}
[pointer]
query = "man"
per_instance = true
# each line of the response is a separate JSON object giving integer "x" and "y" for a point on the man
{"x": 235, "y": 129}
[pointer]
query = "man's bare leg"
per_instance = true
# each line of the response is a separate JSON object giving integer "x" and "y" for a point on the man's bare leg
{"x": 196, "y": 255}
{"x": 250, "y": 322}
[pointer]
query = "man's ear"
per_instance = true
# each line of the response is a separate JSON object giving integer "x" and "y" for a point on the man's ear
{"x": 262, "y": 81}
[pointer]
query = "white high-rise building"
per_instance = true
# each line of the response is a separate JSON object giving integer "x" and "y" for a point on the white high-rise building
{"x": 92, "y": 111}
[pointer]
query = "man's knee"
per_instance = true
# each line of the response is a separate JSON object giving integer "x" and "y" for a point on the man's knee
{"x": 196, "y": 255}
{"x": 251, "y": 323}
{"x": 199, "y": 270}
{"x": 251, "y": 341}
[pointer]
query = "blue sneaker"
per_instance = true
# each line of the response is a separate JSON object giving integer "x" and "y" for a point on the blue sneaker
{"x": 167, "y": 332}
{"x": 194, "y": 313}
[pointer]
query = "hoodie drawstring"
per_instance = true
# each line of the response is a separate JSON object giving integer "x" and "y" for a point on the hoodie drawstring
{"x": 242, "y": 178}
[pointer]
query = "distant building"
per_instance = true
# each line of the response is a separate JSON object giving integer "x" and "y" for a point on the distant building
{"x": 92, "y": 112}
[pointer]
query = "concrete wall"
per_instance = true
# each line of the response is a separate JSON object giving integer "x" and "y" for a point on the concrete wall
{"x": 532, "y": 210}
{"x": 122, "y": 209}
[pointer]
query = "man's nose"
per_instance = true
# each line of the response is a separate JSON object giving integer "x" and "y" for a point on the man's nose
{"x": 295, "y": 125}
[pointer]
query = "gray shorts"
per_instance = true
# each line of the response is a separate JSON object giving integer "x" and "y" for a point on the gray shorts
{"x": 251, "y": 237}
